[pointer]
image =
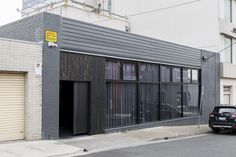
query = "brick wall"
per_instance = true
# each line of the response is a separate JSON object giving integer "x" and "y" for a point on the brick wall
{"x": 27, "y": 29}
{"x": 18, "y": 56}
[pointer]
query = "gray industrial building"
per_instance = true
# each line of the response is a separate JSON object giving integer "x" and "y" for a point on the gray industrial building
{"x": 97, "y": 80}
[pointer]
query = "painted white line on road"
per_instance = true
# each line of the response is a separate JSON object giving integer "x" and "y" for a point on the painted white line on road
{"x": 137, "y": 145}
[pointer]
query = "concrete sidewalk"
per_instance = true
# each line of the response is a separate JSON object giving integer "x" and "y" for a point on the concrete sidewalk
{"x": 37, "y": 149}
{"x": 103, "y": 142}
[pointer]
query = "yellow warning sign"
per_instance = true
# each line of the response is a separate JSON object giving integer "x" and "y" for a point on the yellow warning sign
{"x": 51, "y": 36}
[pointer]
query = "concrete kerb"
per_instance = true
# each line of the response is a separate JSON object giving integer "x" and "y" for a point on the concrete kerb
{"x": 100, "y": 143}
{"x": 135, "y": 138}
{"x": 138, "y": 144}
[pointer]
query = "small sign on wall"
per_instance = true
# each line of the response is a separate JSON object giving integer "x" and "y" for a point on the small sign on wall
{"x": 38, "y": 69}
{"x": 51, "y": 36}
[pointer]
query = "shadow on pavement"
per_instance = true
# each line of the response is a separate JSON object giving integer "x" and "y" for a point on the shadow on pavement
{"x": 226, "y": 132}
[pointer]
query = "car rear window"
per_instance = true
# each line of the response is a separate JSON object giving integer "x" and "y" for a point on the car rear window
{"x": 224, "y": 110}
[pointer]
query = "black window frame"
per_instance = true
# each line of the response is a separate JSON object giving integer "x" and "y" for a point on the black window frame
{"x": 231, "y": 48}
{"x": 157, "y": 83}
{"x": 230, "y": 11}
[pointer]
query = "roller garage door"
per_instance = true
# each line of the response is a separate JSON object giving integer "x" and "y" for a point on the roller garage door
{"x": 12, "y": 100}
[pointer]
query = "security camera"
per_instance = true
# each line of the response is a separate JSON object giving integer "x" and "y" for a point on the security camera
{"x": 204, "y": 58}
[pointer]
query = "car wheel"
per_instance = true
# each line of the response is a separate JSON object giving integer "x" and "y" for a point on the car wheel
{"x": 215, "y": 130}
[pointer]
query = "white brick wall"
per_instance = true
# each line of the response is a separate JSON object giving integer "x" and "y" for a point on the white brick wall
{"x": 18, "y": 56}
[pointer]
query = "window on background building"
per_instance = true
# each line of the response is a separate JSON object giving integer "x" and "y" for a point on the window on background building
{"x": 228, "y": 50}
{"x": 165, "y": 73}
{"x": 109, "y": 6}
{"x": 187, "y": 75}
{"x": 227, "y": 95}
{"x": 228, "y": 10}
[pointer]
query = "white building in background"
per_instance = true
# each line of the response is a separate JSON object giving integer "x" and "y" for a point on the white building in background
{"x": 92, "y": 11}
{"x": 205, "y": 24}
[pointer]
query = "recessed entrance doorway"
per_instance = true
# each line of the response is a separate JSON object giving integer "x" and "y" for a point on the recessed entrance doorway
{"x": 74, "y": 108}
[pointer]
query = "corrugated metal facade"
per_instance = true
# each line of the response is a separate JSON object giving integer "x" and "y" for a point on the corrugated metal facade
{"x": 92, "y": 39}
{"x": 83, "y": 37}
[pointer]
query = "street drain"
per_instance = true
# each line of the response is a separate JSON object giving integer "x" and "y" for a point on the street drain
{"x": 85, "y": 150}
{"x": 155, "y": 139}
{"x": 166, "y": 138}
{"x": 159, "y": 139}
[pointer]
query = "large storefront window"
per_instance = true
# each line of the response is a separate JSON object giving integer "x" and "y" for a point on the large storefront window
{"x": 148, "y": 72}
{"x": 129, "y": 71}
{"x": 170, "y": 101}
{"x": 190, "y": 100}
{"x": 148, "y": 102}
{"x": 165, "y": 73}
{"x": 186, "y": 75}
{"x": 148, "y": 77}
{"x": 121, "y": 104}
{"x": 142, "y": 92}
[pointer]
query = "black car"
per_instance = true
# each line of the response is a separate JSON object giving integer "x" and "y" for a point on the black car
{"x": 223, "y": 117}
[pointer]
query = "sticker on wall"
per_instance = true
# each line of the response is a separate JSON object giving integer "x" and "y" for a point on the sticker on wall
{"x": 51, "y": 36}
{"x": 38, "y": 69}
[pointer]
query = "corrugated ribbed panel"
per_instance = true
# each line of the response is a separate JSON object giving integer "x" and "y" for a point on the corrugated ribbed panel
{"x": 89, "y": 38}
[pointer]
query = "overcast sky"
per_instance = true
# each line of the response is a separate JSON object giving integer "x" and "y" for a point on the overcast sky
{"x": 8, "y": 11}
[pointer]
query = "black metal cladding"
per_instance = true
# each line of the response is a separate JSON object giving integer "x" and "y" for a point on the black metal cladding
{"x": 83, "y": 37}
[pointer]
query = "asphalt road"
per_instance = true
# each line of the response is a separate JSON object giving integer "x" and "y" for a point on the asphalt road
{"x": 222, "y": 145}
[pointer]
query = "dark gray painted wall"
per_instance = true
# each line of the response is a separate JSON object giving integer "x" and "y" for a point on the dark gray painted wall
{"x": 93, "y": 39}
{"x": 51, "y": 72}
{"x": 210, "y": 83}
{"x": 28, "y": 29}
